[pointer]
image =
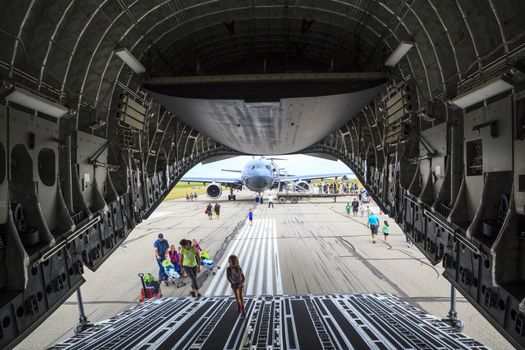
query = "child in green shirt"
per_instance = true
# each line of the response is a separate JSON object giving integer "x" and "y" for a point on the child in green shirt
{"x": 386, "y": 230}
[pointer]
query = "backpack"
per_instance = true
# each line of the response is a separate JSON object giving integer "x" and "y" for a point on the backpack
{"x": 149, "y": 279}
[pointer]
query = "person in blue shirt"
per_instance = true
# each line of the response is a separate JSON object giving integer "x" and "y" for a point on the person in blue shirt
{"x": 373, "y": 224}
{"x": 250, "y": 216}
{"x": 161, "y": 252}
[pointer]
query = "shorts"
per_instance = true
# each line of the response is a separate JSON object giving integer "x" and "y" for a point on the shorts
{"x": 386, "y": 233}
{"x": 373, "y": 229}
{"x": 235, "y": 285}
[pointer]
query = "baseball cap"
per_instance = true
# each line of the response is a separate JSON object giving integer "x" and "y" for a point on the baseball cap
{"x": 160, "y": 235}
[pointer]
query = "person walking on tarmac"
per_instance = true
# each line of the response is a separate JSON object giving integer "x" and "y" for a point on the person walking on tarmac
{"x": 217, "y": 209}
{"x": 209, "y": 211}
{"x": 190, "y": 262}
{"x": 355, "y": 206}
{"x": 348, "y": 207}
{"x": 373, "y": 224}
{"x": 161, "y": 247}
{"x": 270, "y": 200}
{"x": 236, "y": 278}
{"x": 386, "y": 230}
{"x": 250, "y": 216}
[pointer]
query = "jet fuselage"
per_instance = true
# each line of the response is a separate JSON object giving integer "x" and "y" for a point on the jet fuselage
{"x": 258, "y": 174}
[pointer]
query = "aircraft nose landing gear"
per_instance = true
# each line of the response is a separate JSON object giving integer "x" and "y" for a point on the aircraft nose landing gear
{"x": 231, "y": 196}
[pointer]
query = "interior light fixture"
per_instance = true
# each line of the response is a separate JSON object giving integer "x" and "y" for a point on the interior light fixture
{"x": 30, "y": 100}
{"x": 130, "y": 60}
{"x": 487, "y": 90}
{"x": 516, "y": 74}
{"x": 262, "y": 104}
{"x": 400, "y": 51}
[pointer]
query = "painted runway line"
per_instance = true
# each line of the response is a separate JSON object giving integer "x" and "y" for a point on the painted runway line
{"x": 257, "y": 250}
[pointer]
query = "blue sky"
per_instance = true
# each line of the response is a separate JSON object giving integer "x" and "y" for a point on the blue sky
{"x": 294, "y": 164}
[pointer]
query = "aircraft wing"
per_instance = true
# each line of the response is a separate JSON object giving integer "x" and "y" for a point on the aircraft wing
{"x": 234, "y": 182}
{"x": 214, "y": 159}
{"x": 316, "y": 176}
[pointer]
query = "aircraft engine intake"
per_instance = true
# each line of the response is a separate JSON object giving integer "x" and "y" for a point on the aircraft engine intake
{"x": 213, "y": 191}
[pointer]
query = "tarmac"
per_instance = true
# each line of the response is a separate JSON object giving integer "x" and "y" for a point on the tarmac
{"x": 312, "y": 247}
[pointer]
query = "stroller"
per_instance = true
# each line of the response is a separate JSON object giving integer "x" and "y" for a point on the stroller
{"x": 206, "y": 262}
{"x": 150, "y": 287}
{"x": 171, "y": 272}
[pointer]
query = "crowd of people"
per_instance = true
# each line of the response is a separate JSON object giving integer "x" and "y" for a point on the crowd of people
{"x": 186, "y": 260}
{"x": 357, "y": 207}
{"x": 338, "y": 187}
{"x": 191, "y": 196}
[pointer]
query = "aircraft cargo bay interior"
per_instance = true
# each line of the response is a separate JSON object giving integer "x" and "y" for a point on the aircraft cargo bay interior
{"x": 107, "y": 107}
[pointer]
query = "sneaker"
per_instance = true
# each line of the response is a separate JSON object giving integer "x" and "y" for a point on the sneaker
{"x": 192, "y": 293}
{"x": 198, "y": 295}
{"x": 374, "y": 242}
{"x": 243, "y": 314}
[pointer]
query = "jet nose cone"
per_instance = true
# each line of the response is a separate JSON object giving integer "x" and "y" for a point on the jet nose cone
{"x": 259, "y": 183}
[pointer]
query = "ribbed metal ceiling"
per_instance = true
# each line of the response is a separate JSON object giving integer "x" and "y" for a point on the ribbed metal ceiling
{"x": 65, "y": 48}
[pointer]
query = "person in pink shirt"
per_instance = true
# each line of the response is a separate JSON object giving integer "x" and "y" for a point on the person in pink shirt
{"x": 196, "y": 245}
{"x": 175, "y": 258}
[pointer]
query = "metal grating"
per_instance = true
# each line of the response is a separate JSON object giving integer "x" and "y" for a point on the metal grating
{"x": 358, "y": 321}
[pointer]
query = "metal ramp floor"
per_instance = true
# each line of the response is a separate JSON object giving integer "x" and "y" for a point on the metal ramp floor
{"x": 357, "y": 321}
